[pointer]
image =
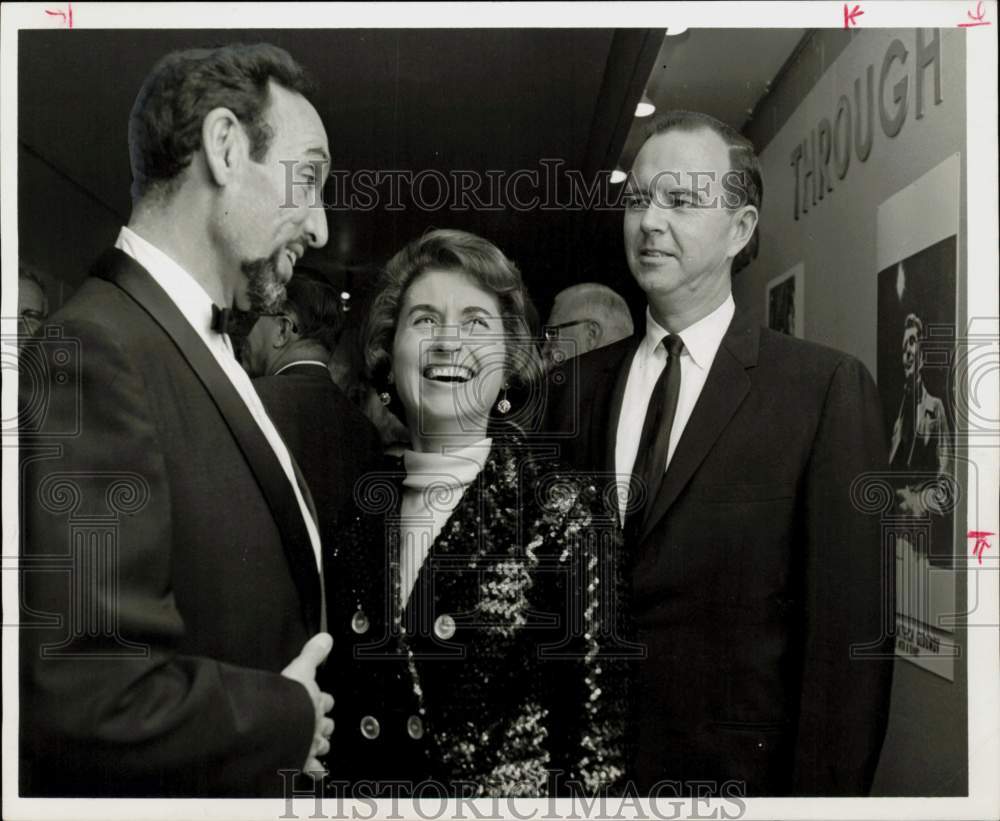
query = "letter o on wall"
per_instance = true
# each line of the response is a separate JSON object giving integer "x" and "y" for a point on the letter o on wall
{"x": 892, "y": 125}
{"x": 842, "y": 140}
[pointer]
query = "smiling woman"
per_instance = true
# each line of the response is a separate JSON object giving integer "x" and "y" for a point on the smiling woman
{"x": 447, "y": 332}
{"x": 476, "y": 601}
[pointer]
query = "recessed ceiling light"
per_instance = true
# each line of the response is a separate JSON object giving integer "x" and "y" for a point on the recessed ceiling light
{"x": 645, "y": 107}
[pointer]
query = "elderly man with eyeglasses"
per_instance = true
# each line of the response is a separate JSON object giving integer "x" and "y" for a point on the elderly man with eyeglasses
{"x": 584, "y": 317}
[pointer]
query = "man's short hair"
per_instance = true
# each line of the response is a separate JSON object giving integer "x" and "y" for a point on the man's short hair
{"x": 164, "y": 128}
{"x": 316, "y": 307}
{"x": 748, "y": 182}
{"x": 602, "y": 304}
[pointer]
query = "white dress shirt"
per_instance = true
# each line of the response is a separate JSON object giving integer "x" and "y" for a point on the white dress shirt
{"x": 433, "y": 487}
{"x": 196, "y": 306}
{"x": 701, "y": 343}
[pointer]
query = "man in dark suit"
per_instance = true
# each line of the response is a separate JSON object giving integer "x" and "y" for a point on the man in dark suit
{"x": 171, "y": 601}
{"x": 760, "y": 588}
{"x": 288, "y": 352}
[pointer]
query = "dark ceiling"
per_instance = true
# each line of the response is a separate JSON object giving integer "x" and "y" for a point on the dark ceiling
{"x": 405, "y": 100}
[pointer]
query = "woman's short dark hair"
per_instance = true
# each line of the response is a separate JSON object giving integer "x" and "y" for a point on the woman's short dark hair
{"x": 446, "y": 250}
{"x": 164, "y": 128}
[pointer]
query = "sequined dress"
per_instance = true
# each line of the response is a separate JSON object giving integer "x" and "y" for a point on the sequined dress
{"x": 507, "y": 671}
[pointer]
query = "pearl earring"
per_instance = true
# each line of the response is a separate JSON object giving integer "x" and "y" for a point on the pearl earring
{"x": 503, "y": 406}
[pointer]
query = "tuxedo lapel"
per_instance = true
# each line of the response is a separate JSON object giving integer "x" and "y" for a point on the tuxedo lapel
{"x": 724, "y": 390}
{"x": 119, "y": 268}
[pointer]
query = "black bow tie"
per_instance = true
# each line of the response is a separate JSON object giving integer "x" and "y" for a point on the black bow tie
{"x": 232, "y": 321}
{"x": 227, "y": 320}
{"x": 223, "y": 319}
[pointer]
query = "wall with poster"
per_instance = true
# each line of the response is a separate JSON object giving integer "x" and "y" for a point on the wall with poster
{"x": 884, "y": 112}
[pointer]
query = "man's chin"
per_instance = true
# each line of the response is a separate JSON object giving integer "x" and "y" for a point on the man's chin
{"x": 264, "y": 286}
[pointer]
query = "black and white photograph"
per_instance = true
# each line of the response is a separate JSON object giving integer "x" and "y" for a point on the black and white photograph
{"x": 499, "y": 410}
{"x": 917, "y": 294}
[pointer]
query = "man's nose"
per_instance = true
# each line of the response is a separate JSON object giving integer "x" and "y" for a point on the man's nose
{"x": 654, "y": 218}
{"x": 316, "y": 228}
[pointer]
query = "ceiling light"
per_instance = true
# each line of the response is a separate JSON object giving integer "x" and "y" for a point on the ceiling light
{"x": 617, "y": 176}
{"x": 645, "y": 107}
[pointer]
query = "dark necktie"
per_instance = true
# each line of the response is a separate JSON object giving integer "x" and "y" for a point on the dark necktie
{"x": 651, "y": 461}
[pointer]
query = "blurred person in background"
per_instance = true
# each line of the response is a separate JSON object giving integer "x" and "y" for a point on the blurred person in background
{"x": 288, "y": 353}
{"x": 584, "y": 317}
{"x": 32, "y": 302}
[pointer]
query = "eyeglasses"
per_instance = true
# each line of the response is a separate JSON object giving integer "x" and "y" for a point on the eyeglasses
{"x": 552, "y": 331}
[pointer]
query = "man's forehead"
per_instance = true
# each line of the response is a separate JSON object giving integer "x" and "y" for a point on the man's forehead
{"x": 680, "y": 153}
{"x": 297, "y": 125}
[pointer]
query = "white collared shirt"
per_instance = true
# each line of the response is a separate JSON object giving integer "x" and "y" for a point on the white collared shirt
{"x": 701, "y": 343}
{"x": 196, "y": 305}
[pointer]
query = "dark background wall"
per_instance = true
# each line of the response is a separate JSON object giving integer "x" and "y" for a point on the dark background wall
{"x": 421, "y": 101}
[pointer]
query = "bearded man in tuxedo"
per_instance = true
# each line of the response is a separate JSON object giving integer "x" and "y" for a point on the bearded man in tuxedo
{"x": 172, "y": 608}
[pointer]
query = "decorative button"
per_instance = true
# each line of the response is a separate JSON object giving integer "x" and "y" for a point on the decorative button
{"x": 415, "y": 727}
{"x": 444, "y": 627}
{"x": 359, "y": 622}
{"x": 370, "y": 727}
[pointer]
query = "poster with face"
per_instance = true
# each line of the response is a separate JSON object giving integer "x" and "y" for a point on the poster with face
{"x": 916, "y": 338}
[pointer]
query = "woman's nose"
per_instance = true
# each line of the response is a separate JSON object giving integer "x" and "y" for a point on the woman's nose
{"x": 447, "y": 338}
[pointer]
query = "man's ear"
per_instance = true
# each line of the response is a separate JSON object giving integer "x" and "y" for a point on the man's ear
{"x": 743, "y": 225}
{"x": 224, "y": 143}
{"x": 288, "y": 330}
{"x": 594, "y": 333}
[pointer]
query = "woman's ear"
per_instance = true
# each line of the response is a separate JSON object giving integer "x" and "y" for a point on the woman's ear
{"x": 224, "y": 143}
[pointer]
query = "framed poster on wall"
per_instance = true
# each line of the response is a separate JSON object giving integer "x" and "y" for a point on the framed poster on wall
{"x": 786, "y": 302}
{"x": 917, "y": 253}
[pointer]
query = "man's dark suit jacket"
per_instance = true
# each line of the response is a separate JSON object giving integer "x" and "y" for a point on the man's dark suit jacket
{"x": 761, "y": 587}
{"x": 168, "y": 576}
{"x": 331, "y": 439}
